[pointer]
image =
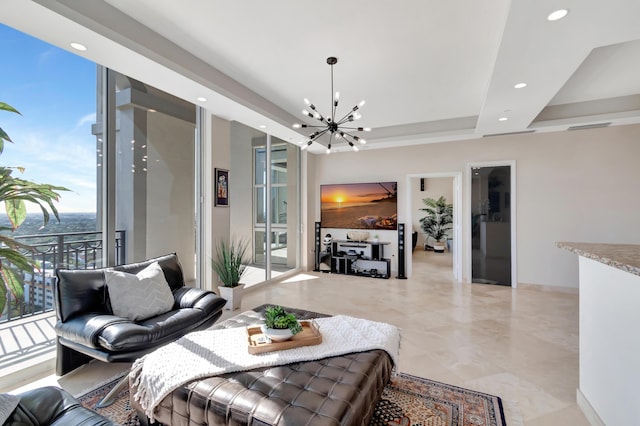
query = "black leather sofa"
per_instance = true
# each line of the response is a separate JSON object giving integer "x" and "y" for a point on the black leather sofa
{"x": 87, "y": 329}
{"x": 53, "y": 406}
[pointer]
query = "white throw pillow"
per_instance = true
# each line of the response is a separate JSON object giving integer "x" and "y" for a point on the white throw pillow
{"x": 8, "y": 403}
{"x": 140, "y": 296}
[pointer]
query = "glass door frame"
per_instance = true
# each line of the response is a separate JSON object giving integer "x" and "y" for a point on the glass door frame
{"x": 270, "y": 228}
{"x": 514, "y": 217}
{"x": 106, "y": 175}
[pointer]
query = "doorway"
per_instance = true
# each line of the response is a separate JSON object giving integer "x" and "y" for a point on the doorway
{"x": 418, "y": 188}
{"x": 492, "y": 224}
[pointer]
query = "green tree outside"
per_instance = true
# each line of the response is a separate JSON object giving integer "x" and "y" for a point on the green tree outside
{"x": 14, "y": 194}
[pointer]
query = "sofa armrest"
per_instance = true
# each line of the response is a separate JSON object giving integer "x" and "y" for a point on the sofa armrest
{"x": 85, "y": 329}
{"x": 52, "y": 405}
{"x": 197, "y": 298}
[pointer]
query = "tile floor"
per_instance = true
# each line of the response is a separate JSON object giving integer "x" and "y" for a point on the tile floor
{"x": 521, "y": 345}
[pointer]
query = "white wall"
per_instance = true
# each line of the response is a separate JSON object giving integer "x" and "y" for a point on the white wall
{"x": 571, "y": 186}
{"x": 241, "y": 181}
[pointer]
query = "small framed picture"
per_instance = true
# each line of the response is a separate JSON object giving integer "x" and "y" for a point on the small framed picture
{"x": 222, "y": 188}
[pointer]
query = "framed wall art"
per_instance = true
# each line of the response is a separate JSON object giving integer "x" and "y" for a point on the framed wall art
{"x": 372, "y": 205}
{"x": 222, "y": 188}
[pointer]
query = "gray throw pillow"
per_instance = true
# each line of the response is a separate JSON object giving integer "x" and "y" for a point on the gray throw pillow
{"x": 8, "y": 403}
{"x": 140, "y": 296}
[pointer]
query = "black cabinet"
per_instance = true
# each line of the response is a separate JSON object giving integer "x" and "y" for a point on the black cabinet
{"x": 361, "y": 258}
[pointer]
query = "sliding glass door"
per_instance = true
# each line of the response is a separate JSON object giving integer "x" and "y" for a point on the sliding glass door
{"x": 149, "y": 187}
{"x": 283, "y": 205}
{"x": 266, "y": 198}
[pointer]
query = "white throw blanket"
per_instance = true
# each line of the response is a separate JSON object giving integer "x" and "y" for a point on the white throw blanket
{"x": 213, "y": 352}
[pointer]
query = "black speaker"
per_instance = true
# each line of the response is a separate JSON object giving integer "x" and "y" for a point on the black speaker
{"x": 422, "y": 184}
{"x": 401, "y": 252}
{"x": 316, "y": 244}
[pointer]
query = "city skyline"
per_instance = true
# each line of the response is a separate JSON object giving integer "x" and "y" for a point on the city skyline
{"x": 55, "y": 92}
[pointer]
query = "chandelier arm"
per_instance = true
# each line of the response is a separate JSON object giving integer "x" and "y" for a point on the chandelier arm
{"x": 315, "y": 114}
{"x": 344, "y": 134}
{"x": 319, "y": 134}
{"x": 356, "y": 139}
{"x": 351, "y": 128}
{"x": 345, "y": 118}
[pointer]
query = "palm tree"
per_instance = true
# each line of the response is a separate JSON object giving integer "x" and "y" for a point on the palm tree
{"x": 15, "y": 193}
{"x": 437, "y": 223}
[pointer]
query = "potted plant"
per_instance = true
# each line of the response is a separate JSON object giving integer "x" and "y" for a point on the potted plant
{"x": 230, "y": 264}
{"x": 437, "y": 223}
{"x": 280, "y": 325}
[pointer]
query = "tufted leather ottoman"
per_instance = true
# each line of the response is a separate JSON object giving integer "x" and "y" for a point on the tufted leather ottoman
{"x": 340, "y": 390}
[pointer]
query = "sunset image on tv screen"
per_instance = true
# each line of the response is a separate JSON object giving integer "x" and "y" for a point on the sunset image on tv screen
{"x": 359, "y": 205}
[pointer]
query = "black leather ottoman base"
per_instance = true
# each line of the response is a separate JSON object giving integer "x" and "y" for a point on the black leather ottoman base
{"x": 340, "y": 390}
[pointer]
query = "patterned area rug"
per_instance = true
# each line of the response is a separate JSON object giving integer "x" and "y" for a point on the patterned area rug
{"x": 120, "y": 411}
{"x": 413, "y": 401}
{"x": 407, "y": 401}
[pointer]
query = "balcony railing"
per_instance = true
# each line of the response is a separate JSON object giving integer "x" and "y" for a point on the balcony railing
{"x": 73, "y": 250}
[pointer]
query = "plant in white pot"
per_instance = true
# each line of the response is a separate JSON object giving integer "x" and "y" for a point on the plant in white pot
{"x": 230, "y": 264}
{"x": 280, "y": 325}
{"x": 437, "y": 223}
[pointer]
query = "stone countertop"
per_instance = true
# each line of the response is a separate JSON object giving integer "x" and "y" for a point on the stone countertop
{"x": 625, "y": 257}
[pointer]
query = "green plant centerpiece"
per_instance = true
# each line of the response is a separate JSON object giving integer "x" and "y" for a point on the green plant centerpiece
{"x": 437, "y": 223}
{"x": 279, "y": 324}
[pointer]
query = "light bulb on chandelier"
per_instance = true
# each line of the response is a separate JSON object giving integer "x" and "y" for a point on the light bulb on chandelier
{"x": 335, "y": 128}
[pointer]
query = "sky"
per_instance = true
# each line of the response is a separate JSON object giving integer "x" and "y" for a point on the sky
{"x": 55, "y": 91}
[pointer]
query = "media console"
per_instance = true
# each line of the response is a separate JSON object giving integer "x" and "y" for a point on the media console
{"x": 363, "y": 258}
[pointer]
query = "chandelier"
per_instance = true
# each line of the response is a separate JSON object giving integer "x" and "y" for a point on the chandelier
{"x": 338, "y": 129}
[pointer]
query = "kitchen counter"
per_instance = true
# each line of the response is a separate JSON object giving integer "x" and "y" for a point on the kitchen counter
{"x": 625, "y": 257}
{"x": 609, "y": 321}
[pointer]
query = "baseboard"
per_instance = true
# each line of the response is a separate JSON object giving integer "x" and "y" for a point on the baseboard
{"x": 588, "y": 411}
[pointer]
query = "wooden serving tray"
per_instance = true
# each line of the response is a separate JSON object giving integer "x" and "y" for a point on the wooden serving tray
{"x": 309, "y": 336}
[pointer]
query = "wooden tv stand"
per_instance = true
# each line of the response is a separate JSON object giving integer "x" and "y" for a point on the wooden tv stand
{"x": 362, "y": 258}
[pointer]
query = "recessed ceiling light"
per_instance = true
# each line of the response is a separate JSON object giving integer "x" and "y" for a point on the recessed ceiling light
{"x": 202, "y": 99}
{"x": 502, "y": 119}
{"x": 78, "y": 46}
{"x": 520, "y": 85}
{"x": 558, "y": 14}
{"x": 262, "y": 126}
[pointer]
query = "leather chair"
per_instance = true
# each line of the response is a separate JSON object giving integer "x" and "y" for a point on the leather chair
{"x": 53, "y": 406}
{"x": 87, "y": 329}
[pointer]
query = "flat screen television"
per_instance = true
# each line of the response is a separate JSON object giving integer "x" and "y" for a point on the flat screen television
{"x": 371, "y": 205}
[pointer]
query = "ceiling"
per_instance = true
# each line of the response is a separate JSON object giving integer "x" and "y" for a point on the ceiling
{"x": 430, "y": 70}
